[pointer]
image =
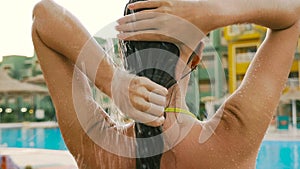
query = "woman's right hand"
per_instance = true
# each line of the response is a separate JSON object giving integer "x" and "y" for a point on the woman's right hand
{"x": 139, "y": 98}
{"x": 168, "y": 20}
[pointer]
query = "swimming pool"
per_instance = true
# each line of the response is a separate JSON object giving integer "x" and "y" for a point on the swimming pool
{"x": 272, "y": 154}
{"x": 45, "y": 138}
{"x": 279, "y": 155}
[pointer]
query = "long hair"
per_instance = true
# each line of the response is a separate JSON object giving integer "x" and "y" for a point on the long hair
{"x": 156, "y": 61}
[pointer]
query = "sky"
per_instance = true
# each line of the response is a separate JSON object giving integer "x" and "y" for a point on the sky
{"x": 16, "y": 19}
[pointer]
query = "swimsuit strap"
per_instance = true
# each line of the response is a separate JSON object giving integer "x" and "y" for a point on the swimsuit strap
{"x": 179, "y": 110}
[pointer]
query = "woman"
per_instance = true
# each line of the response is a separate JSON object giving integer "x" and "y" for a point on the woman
{"x": 63, "y": 56}
{"x": 231, "y": 139}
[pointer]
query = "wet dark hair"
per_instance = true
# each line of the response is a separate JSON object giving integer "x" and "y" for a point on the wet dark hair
{"x": 156, "y": 61}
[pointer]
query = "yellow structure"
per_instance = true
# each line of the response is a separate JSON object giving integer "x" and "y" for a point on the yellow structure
{"x": 240, "y": 54}
{"x": 243, "y": 42}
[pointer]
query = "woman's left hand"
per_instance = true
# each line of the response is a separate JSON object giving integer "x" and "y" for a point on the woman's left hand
{"x": 139, "y": 98}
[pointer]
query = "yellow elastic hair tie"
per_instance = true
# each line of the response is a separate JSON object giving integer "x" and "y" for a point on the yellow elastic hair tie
{"x": 179, "y": 110}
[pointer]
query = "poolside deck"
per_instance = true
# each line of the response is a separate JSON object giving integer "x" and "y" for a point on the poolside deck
{"x": 274, "y": 134}
{"x": 40, "y": 158}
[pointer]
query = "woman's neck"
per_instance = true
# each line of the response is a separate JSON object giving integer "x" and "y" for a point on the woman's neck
{"x": 176, "y": 95}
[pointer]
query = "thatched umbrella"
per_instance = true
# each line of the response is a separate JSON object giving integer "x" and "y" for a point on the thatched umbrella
{"x": 39, "y": 79}
{"x": 10, "y": 86}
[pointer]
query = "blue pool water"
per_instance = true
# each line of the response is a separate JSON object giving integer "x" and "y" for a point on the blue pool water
{"x": 279, "y": 155}
{"x": 272, "y": 154}
{"x": 46, "y": 138}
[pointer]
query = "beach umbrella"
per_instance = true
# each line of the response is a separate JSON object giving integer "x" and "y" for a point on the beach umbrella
{"x": 39, "y": 79}
{"x": 10, "y": 86}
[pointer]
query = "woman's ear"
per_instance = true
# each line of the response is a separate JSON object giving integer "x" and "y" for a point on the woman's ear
{"x": 196, "y": 60}
{"x": 198, "y": 55}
